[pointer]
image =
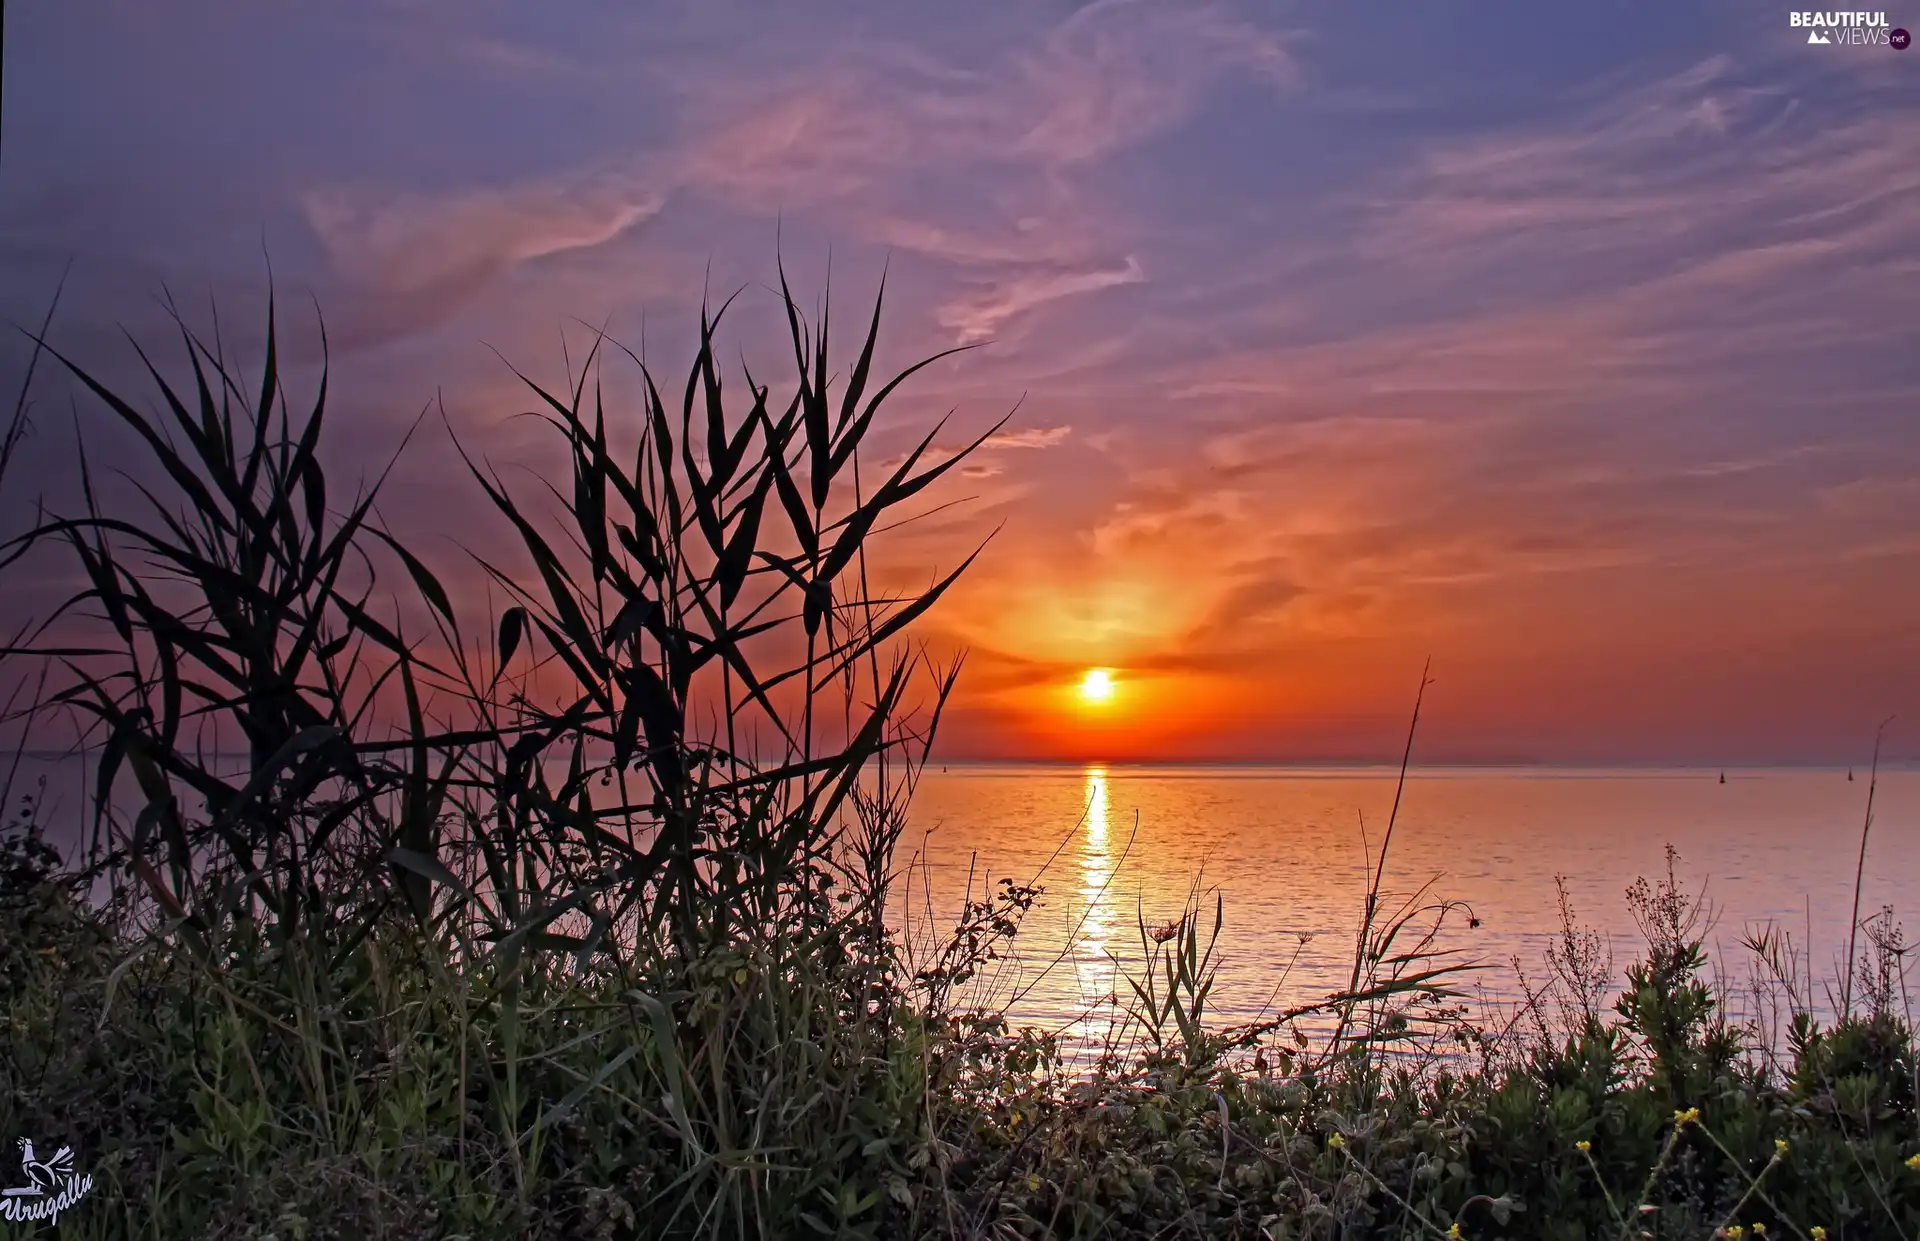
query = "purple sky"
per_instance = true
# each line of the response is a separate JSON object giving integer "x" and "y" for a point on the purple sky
{"x": 1577, "y": 346}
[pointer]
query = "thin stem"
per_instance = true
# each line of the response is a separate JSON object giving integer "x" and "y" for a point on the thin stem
{"x": 1380, "y": 869}
{"x": 1859, "y": 872}
{"x": 1406, "y": 757}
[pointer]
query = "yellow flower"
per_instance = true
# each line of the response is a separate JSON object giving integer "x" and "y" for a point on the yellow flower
{"x": 1733, "y": 1232}
{"x": 1913, "y": 1161}
{"x": 1583, "y": 1146}
{"x": 1337, "y": 1142}
{"x": 1453, "y": 1232}
{"x": 1759, "y": 1230}
{"x": 1779, "y": 1146}
{"x": 1689, "y": 1117}
{"x": 1817, "y": 1233}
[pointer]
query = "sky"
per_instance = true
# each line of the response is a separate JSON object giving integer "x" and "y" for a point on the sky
{"x": 1574, "y": 347}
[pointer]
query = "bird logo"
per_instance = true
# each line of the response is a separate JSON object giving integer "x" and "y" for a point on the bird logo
{"x": 44, "y": 1176}
{"x": 51, "y": 1185}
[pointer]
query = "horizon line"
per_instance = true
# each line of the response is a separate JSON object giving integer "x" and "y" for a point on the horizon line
{"x": 1886, "y": 764}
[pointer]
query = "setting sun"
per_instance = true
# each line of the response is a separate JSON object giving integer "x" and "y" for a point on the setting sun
{"x": 1097, "y": 686}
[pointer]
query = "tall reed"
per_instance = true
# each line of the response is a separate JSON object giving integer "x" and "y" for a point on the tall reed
{"x": 674, "y": 777}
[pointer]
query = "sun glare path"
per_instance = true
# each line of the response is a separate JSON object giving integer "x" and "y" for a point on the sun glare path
{"x": 1097, "y": 686}
{"x": 1093, "y": 962}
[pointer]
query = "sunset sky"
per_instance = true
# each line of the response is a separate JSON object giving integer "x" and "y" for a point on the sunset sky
{"x": 1576, "y": 346}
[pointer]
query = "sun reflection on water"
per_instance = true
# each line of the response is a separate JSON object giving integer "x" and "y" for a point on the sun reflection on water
{"x": 1092, "y": 959}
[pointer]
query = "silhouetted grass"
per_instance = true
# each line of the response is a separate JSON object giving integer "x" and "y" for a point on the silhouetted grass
{"x": 571, "y": 924}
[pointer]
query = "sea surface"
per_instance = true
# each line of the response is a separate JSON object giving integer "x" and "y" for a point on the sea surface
{"x": 1287, "y": 854}
{"x": 1286, "y": 851}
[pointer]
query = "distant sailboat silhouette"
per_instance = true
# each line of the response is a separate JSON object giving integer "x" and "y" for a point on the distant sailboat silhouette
{"x": 1849, "y": 775}
{"x": 1723, "y": 777}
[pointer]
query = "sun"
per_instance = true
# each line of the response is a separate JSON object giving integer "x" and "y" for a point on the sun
{"x": 1097, "y": 685}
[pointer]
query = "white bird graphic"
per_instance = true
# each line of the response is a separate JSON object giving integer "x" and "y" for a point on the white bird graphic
{"x": 46, "y": 1175}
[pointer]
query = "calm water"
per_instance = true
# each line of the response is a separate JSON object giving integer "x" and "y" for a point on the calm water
{"x": 1284, "y": 849}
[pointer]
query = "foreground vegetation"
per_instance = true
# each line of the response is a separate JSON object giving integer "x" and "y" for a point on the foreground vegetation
{"x": 577, "y": 928}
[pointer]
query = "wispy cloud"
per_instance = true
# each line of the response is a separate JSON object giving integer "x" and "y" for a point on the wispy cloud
{"x": 413, "y": 241}
{"x": 1031, "y": 437}
{"x": 1120, "y": 71}
{"x": 1701, "y": 164}
{"x": 1114, "y": 74}
{"x": 979, "y": 315}
{"x": 893, "y": 143}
